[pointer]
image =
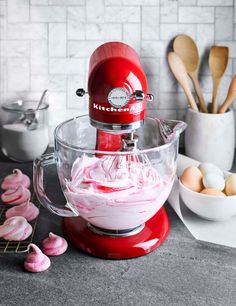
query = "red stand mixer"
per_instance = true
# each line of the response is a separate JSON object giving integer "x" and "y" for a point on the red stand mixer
{"x": 108, "y": 226}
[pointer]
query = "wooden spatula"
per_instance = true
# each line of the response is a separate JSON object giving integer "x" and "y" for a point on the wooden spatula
{"x": 187, "y": 50}
{"x": 180, "y": 73}
{"x": 218, "y": 60}
{"x": 231, "y": 96}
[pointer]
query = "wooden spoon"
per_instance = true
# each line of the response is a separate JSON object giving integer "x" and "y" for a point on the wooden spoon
{"x": 186, "y": 48}
{"x": 218, "y": 60}
{"x": 231, "y": 96}
{"x": 180, "y": 73}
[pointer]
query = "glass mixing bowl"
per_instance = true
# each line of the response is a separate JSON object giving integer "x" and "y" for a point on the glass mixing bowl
{"x": 114, "y": 190}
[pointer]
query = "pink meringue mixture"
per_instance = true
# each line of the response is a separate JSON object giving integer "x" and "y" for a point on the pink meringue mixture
{"x": 15, "y": 229}
{"x": 114, "y": 192}
{"x": 54, "y": 245}
{"x": 27, "y": 210}
{"x": 15, "y": 179}
{"x": 16, "y": 196}
{"x": 36, "y": 261}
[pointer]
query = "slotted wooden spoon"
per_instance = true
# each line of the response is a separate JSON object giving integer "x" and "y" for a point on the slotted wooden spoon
{"x": 231, "y": 96}
{"x": 187, "y": 50}
{"x": 218, "y": 60}
{"x": 180, "y": 73}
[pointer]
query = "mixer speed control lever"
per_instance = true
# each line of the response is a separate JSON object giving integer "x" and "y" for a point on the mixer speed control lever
{"x": 139, "y": 95}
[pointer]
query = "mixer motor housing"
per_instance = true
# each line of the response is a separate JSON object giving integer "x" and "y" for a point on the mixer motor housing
{"x": 117, "y": 88}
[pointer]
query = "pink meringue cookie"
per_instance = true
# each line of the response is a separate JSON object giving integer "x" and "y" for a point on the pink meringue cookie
{"x": 27, "y": 210}
{"x": 36, "y": 261}
{"x": 15, "y": 179}
{"x": 16, "y": 196}
{"x": 15, "y": 229}
{"x": 54, "y": 245}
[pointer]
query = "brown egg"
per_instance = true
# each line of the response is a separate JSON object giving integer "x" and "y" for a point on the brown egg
{"x": 213, "y": 191}
{"x": 192, "y": 179}
{"x": 230, "y": 185}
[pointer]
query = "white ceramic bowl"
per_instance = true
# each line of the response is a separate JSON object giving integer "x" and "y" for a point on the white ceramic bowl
{"x": 215, "y": 208}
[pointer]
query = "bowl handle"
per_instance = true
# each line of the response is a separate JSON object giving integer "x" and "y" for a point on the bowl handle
{"x": 38, "y": 178}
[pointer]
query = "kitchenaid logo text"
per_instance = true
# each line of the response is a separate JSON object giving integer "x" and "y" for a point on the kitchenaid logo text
{"x": 132, "y": 108}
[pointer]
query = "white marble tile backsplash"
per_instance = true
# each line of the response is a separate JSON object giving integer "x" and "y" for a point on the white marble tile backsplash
{"x": 47, "y": 44}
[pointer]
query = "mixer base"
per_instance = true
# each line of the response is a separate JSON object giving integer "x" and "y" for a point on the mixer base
{"x": 148, "y": 239}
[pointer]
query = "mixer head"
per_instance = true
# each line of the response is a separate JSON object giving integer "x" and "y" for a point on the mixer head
{"x": 117, "y": 88}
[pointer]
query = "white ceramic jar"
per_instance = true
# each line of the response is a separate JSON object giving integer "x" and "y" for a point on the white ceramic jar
{"x": 211, "y": 137}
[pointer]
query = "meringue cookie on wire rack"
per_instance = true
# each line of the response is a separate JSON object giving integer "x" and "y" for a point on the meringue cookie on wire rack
{"x": 54, "y": 245}
{"x": 16, "y": 196}
{"x": 15, "y": 229}
{"x": 27, "y": 210}
{"x": 36, "y": 261}
{"x": 15, "y": 179}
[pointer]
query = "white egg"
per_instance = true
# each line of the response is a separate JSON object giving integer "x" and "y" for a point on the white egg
{"x": 213, "y": 180}
{"x": 206, "y": 168}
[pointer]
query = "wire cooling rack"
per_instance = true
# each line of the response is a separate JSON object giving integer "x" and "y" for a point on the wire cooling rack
{"x": 16, "y": 246}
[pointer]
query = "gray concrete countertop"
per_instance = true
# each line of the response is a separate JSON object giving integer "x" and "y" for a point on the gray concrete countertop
{"x": 183, "y": 271}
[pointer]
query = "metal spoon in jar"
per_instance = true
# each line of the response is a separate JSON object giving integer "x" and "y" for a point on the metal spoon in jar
{"x": 32, "y": 122}
{"x": 29, "y": 115}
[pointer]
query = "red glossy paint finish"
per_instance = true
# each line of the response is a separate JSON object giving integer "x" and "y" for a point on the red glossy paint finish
{"x": 115, "y": 65}
{"x": 108, "y": 141}
{"x": 152, "y": 235}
